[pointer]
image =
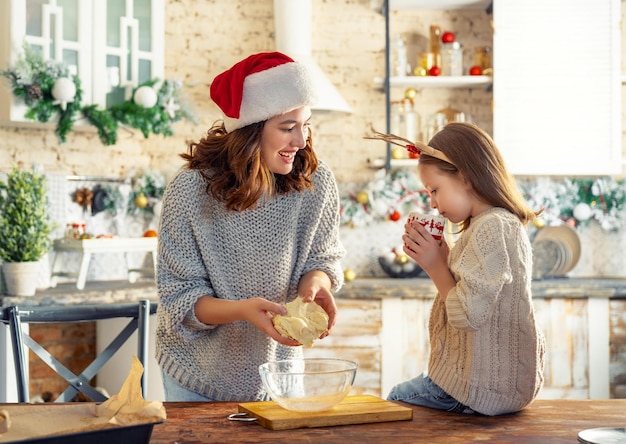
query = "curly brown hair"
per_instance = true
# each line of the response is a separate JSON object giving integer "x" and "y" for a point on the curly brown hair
{"x": 234, "y": 170}
{"x": 477, "y": 160}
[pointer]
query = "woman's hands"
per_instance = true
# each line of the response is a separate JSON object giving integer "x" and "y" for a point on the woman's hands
{"x": 315, "y": 286}
{"x": 257, "y": 311}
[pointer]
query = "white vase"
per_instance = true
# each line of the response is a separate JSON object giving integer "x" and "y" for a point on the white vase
{"x": 21, "y": 277}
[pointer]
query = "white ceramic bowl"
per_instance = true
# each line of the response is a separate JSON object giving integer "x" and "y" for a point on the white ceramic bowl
{"x": 308, "y": 385}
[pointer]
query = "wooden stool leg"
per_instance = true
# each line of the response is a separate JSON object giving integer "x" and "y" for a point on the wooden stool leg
{"x": 82, "y": 274}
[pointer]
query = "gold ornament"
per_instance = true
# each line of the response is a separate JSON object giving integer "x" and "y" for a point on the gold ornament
{"x": 420, "y": 71}
{"x": 349, "y": 275}
{"x": 141, "y": 201}
{"x": 397, "y": 152}
{"x": 410, "y": 93}
{"x": 362, "y": 197}
{"x": 402, "y": 259}
{"x": 539, "y": 222}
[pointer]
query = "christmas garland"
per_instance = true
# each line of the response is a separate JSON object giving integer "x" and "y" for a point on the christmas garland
{"x": 389, "y": 197}
{"x": 48, "y": 89}
{"x": 576, "y": 201}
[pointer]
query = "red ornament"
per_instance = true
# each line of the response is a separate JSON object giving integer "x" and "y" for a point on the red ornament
{"x": 395, "y": 216}
{"x": 475, "y": 71}
{"x": 447, "y": 37}
{"x": 434, "y": 71}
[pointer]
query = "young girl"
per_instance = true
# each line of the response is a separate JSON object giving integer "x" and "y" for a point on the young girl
{"x": 487, "y": 353}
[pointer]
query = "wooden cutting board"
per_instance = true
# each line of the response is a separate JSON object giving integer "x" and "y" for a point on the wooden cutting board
{"x": 352, "y": 410}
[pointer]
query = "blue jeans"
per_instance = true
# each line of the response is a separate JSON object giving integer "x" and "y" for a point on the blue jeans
{"x": 423, "y": 391}
{"x": 175, "y": 393}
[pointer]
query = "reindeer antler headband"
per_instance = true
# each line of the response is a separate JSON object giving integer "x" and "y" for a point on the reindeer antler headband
{"x": 412, "y": 147}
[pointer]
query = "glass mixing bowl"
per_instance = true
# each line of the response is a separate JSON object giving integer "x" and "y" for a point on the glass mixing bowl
{"x": 308, "y": 385}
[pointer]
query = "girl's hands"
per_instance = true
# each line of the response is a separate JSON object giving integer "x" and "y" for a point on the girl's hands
{"x": 430, "y": 254}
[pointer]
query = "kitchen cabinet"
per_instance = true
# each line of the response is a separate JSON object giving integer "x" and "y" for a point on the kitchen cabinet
{"x": 556, "y": 84}
{"x": 111, "y": 45}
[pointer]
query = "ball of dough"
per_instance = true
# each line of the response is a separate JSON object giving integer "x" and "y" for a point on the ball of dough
{"x": 304, "y": 321}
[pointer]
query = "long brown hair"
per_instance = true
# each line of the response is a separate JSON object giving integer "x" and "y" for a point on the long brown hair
{"x": 478, "y": 161}
{"x": 234, "y": 170}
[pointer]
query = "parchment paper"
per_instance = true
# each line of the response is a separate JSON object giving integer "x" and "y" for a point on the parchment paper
{"x": 126, "y": 408}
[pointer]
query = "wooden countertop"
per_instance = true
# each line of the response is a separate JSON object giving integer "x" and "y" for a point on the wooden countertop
{"x": 545, "y": 421}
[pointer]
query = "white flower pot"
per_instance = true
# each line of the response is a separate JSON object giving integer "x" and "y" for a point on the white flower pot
{"x": 21, "y": 278}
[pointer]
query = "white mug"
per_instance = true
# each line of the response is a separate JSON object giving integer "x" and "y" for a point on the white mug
{"x": 434, "y": 223}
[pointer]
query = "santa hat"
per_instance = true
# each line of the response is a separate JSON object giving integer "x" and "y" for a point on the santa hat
{"x": 259, "y": 87}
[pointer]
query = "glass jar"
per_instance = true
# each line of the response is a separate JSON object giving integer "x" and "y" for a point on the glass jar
{"x": 399, "y": 60}
{"x": 451, "y": 59}
{"x": 482, "y": 57}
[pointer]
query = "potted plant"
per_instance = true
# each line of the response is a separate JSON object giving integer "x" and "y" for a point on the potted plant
{"x": 25, "y": 229}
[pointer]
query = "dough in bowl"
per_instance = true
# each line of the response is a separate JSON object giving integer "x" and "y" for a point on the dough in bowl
{"x": 304, "y": 321}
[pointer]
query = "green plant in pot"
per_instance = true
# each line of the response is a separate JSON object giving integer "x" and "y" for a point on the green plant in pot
{"x": 25, "y": 229}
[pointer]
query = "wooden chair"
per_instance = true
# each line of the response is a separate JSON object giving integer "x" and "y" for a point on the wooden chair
{"x": 138, "y": 312}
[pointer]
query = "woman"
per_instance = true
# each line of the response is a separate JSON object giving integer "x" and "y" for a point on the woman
{"x": 251, "y": 222}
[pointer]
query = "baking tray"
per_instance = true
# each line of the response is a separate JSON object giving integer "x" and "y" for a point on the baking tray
{"x": 135, "y": 434}
{"x": 69, "y": 423}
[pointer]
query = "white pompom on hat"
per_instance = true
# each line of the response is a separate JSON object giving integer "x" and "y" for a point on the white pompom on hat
{"x": 260, "y": 87}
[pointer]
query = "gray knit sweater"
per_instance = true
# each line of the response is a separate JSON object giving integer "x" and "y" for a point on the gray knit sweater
{"x": 486, "y": 350}
{"x": 206, "y": 250}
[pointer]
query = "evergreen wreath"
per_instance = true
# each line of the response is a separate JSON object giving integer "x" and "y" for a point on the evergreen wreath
{"x": 33, "y": 80}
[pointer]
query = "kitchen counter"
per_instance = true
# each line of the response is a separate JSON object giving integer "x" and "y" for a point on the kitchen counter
{"x": 382, "y": 324}
{"x": 105, "y": 292}
{"x": 367, "y": 288}
{"x": 544, "y": 421}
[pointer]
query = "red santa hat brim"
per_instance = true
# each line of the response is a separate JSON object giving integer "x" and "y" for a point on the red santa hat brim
{"x": 260, "y": 87}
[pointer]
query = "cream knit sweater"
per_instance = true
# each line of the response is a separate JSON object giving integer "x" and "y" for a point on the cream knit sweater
{"x": 206, "y": 250}
{"x": 486, "y": 350}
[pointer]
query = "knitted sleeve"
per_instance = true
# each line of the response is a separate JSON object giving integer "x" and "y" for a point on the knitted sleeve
{"x": 481, "y": 270}
{"x": 181, "y": 275}
{"x": 326, "y": 249}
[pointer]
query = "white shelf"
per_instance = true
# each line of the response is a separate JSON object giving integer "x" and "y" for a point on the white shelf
{"x": 394, "y": 163}
{"x": 419, "y": 82}
{"x": 438, "y": 4}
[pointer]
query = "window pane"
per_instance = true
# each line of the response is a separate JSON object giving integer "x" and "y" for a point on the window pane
{"x": 70, "y": 19}
{"x": 115, "y": 10}
{"x": 145, "y": 71}
{"x": 143, "y": 12}
{"x": 33, "y": 17}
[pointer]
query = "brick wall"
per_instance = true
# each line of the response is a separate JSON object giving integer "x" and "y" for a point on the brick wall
{"x": 72, "y": 343}
{"x": 204, "y": 37}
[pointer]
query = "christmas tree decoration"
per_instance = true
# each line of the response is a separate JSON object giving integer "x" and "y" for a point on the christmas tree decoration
{"x": 147, "y": 193}
{"x": 349, "y": 275}
{"x": 170, "y": 108}
{"x": 145, "y": 96}
{"x": 63, "y": 92}
{"x": 397, "y": 264}
{"x": 362, "y": 197}
{"x": 582, "y": 212}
